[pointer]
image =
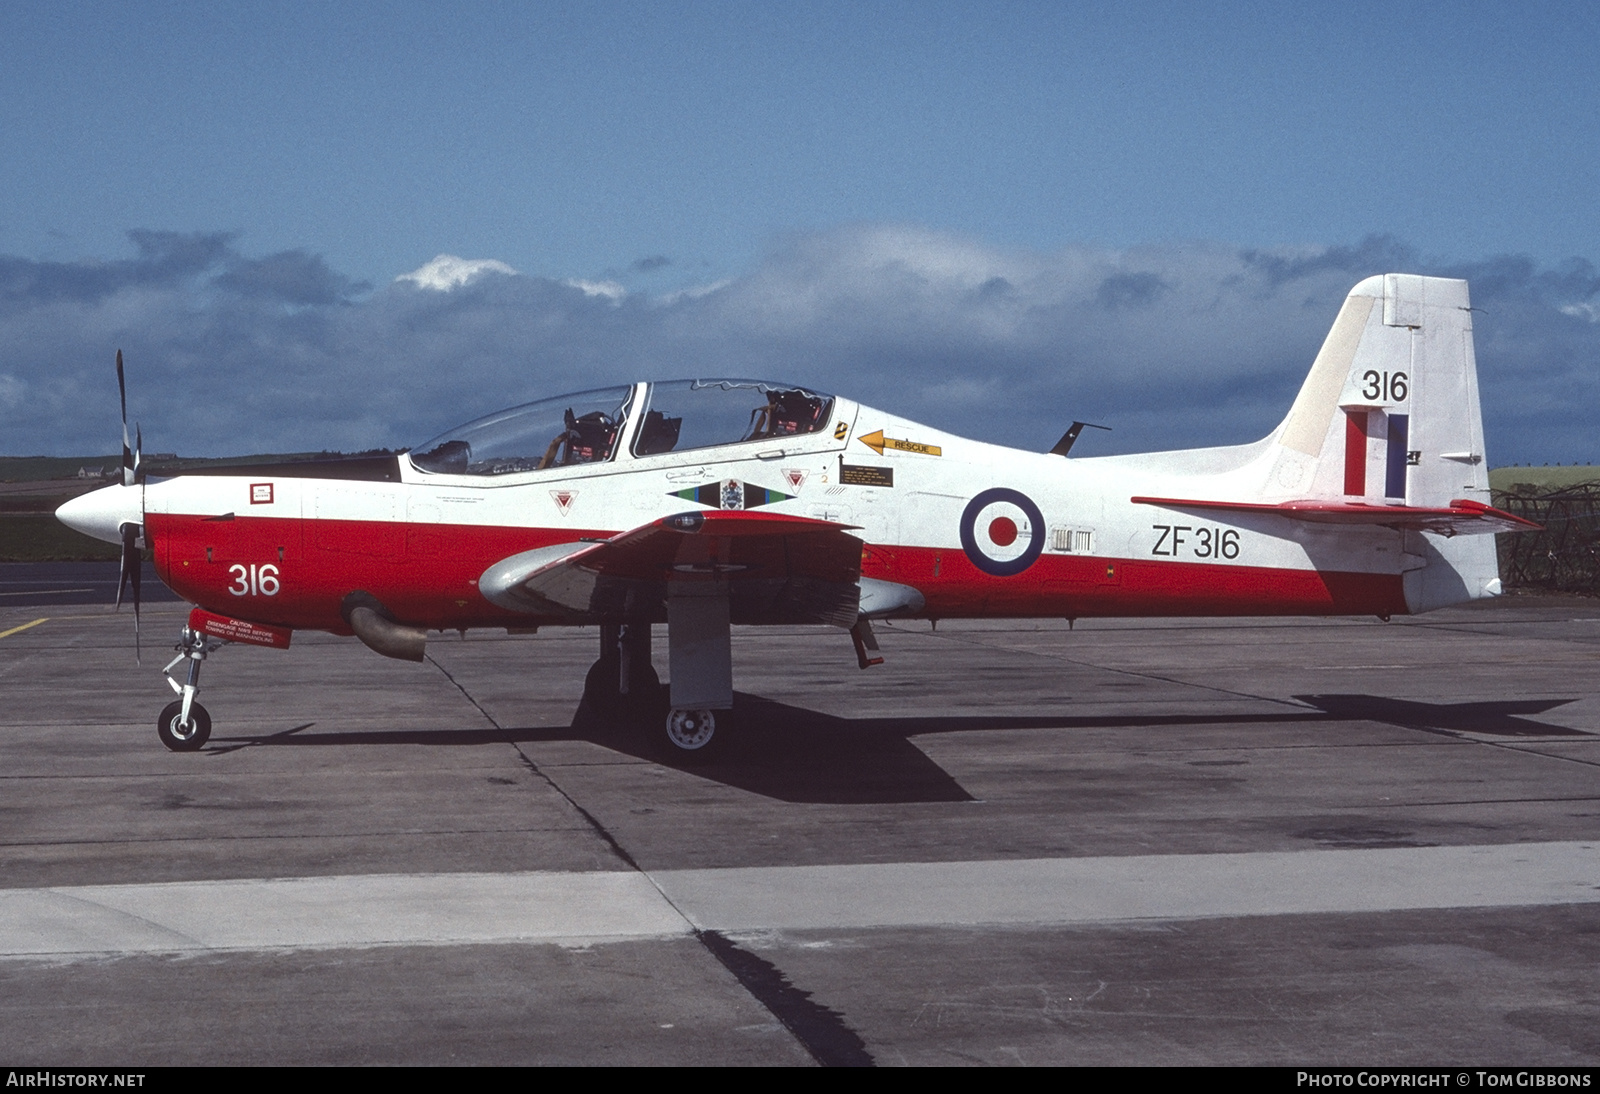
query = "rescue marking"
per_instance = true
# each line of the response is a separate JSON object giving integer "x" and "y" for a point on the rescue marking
{"x": 878, "y": 442}
{"x": 564, "y": 499}
{"x": 795, "y": 477}
{"x": 25, "y": 626}
{"x": 261, "y": 493}
{"x": 840, "y": 430}
{"x": 1002, "y": 532}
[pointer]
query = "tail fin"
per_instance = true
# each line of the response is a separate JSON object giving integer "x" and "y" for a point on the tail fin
{"x": 1386, "y": 432}
{"x": 1388, "y": 416}
{"x": 1389, "y": 413}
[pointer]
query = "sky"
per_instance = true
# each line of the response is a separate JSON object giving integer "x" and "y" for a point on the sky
{"x": 993, "y": 217}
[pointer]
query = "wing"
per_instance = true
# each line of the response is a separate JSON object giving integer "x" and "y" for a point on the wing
{"x": 777, "y": 569}
{"x": 1460, "y": 517}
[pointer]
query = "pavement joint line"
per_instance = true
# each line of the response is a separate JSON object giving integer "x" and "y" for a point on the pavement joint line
{"x": 1486, "y": 801}
{"x": 45, "y": 592}
{"x": 368, "y": 910}
{"x": 1526, "y": 751}
{"x": 820, "y": 1031}
{"x": 25, "y": 626}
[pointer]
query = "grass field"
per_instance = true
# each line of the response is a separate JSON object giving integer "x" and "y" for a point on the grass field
{"x": 1543, "y": 478}
{"x": 37, "y": 468}
{"x": 33, "y": 487}
{"x": 40, "y": 537}
{"x": 16, "y": 469}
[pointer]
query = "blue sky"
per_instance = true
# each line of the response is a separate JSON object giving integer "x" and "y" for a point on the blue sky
{"x": 818, "y": 189}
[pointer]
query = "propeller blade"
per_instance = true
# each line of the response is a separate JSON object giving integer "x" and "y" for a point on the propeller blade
{"x": 132, "y": 572}
{"x": 127, "y": 452}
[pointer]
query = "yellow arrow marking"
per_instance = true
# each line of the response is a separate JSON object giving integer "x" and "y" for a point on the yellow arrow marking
{"x": 25, "y": 626}
{"x": 878, "y": 442}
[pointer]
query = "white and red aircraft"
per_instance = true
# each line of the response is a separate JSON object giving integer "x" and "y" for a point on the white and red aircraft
{"x": 704, "y": 503}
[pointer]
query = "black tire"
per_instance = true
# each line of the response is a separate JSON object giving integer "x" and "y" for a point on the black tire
{"x": 177, "y": 737}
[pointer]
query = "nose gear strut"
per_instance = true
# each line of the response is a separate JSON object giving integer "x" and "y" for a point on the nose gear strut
{"x": 185, "y": 725}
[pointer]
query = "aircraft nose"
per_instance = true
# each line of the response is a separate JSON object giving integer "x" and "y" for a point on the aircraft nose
{"x": 102, "y": 513}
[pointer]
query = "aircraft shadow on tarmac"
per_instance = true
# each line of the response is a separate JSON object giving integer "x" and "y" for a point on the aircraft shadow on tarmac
{"x": 780, "y": 751}
{"x": 1499, "y": 719}
{"x": 793, "y": 754}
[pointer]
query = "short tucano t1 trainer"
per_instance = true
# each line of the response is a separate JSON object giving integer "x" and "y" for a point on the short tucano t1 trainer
{"x": 705, "y": 503}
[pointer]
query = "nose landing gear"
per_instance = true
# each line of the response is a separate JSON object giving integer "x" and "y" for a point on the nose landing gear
{"x": 185, "y": 725}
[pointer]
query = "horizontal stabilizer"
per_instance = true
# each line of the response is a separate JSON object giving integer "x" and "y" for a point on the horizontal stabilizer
{"x": 1460, "y": 517}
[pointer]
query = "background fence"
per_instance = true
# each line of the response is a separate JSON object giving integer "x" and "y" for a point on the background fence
{"x": 1565, "y": 557}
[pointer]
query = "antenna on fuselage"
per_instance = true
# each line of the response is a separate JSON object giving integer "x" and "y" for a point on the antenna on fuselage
{"x": 1070, "y": 437}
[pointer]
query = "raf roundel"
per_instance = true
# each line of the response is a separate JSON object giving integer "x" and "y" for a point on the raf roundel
{"x": 1002, "y": 532}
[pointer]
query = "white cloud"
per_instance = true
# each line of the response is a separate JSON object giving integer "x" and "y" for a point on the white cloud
{"x": 1174, "y": 345}
{"x": 447, "y": 272}
{"x": 693, "y": 292}
{"x": 610, "y": 290}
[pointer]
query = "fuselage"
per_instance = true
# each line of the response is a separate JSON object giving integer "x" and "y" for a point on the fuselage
{"x": 977, "y": 529}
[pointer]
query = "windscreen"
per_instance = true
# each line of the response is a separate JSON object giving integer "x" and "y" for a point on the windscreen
{"x": 559, "y": 432}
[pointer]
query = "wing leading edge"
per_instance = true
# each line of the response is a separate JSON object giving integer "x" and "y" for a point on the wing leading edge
{"x": 776, "y": 569}
{"x": 1460, "y": 517}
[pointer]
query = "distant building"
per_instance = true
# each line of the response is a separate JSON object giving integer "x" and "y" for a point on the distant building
{"x": 93, "y": 472}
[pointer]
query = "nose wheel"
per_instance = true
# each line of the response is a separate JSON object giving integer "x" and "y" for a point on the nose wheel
{"x": 180, "y": 735}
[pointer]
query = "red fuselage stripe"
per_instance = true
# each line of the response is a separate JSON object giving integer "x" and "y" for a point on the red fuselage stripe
{"x": 294, "y": 573}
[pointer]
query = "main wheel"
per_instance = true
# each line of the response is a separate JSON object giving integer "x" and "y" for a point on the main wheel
{"x": 179, "y": 737}
{"x": 691, "y": 730}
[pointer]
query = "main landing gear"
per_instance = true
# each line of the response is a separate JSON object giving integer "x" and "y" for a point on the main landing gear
{"x": 622, "y": 686}
{"x": 691, "y": 730}
{"x": 185, "y": 725}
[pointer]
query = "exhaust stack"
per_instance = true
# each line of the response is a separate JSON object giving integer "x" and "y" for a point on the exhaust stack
{"x": 378, "y": 631}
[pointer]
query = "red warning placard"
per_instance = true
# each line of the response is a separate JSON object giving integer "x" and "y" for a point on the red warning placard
{"x": 238, "y": 630}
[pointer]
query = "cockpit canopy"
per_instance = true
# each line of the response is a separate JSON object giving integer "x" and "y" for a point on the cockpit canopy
{"x": 686, "y": 414}
{"x": 677, "y": 416}
{"x": 559, "y": 432}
